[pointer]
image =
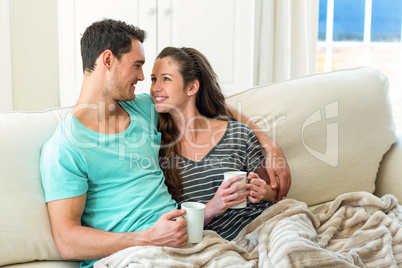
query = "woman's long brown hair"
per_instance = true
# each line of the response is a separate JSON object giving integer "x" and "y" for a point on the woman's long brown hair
{"x": 210, "y": 102}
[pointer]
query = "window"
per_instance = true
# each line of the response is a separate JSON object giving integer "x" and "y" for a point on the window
{"x": 363, "y": 33}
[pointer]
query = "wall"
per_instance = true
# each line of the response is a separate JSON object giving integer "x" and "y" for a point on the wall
{"x": 6, "y": 96}
{"x": 34, "y": 53}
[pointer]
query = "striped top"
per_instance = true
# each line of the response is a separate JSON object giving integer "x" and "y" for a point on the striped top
{"x": 238, "y": 150}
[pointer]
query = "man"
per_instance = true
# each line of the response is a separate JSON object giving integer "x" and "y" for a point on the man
{"x": 103, "y": 185}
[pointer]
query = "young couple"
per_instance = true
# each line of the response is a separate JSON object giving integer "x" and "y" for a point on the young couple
{"x": 98, "y": 201}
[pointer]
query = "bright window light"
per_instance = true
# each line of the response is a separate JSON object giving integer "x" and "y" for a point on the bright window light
{"x": 363, "y": 33}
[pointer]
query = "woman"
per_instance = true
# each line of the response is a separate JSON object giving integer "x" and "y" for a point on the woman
{"x": 201, "y": 140}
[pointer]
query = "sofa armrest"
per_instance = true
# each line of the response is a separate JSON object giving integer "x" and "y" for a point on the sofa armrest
{"x": 389, "y": 177}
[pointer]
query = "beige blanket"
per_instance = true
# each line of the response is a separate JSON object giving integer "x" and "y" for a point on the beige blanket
{"x": 355, "y": 230}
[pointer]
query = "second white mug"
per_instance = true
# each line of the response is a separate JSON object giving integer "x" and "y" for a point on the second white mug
{"x": 231, "y": 174}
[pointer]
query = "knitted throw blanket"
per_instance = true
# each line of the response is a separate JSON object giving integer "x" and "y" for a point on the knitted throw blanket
{"x": 355, "y": 230}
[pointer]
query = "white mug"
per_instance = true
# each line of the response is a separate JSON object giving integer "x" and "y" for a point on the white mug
{"x": 230, "y": 174}
{"x": 194, "y": 216}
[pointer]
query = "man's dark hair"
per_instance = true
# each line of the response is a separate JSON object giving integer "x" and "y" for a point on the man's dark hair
{"x": 107, "y": 34}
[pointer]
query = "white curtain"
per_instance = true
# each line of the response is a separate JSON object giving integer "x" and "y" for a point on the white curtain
{"x": 285, "y": 40}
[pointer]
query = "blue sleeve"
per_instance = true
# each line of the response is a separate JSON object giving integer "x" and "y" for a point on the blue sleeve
{"x": 62, "y": 171}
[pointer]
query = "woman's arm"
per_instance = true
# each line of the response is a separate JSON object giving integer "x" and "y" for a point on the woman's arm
{"x": 275, "y": 163}
{"x": 225, "y": 197}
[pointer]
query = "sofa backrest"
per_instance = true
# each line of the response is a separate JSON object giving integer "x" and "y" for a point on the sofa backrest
{"x": 25, "y": 232}
{"x": 334, "y": 129}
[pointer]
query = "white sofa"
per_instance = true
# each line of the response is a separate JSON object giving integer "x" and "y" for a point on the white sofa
{"x": 336, "y": 130}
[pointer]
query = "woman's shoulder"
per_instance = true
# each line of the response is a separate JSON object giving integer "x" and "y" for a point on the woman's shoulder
{"x": 219, "y": 124}
{"x": 230, "y": 125}
{"x": 238, "y": 126}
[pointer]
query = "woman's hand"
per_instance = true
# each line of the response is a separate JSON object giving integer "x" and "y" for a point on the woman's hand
{"x": 257, "y": 187}
{"x": 226, "y": 197}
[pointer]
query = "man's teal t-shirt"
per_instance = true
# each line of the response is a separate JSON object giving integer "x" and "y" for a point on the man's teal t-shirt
{"x": 125, "y": 186}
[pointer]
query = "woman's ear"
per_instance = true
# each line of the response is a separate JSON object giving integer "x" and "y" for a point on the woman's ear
{"x": 193, "y": 88}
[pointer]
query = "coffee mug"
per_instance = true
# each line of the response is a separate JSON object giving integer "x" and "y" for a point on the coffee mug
{"x": 230, "y": 174}
{"x": 194, "y": 216}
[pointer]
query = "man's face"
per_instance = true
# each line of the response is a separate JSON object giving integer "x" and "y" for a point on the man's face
{"x": 126, "y": 72}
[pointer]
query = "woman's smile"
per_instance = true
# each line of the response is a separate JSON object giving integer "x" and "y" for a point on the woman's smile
{"x": 159, "y": 99}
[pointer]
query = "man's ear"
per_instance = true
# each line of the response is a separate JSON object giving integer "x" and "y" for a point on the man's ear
{"x": 193, "y": 88}
{"x": 107, "y": 59}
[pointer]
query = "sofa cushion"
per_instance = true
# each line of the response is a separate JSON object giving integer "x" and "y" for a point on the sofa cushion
{"x": 25, "y": 231}
{"x": 334, "y": 129}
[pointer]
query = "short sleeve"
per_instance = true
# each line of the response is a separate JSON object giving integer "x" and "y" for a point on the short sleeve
{"x": 254, "y": 154}
{"x": 62, "y": 172}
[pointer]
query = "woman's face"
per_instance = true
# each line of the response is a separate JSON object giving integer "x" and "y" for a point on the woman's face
{"x": 167, "y": 88}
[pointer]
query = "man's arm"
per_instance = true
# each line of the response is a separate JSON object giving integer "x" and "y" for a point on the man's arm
{"x": 275, "y": 163}
{"x": 75, "y": 241}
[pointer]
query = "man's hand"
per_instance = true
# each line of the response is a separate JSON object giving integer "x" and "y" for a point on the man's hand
{"x": 168, "y": 231}
{"x": 277, "y": 166}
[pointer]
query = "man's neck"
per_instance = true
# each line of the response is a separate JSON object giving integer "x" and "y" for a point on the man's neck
{"x": 98, "y": 112}
{"x": 102, "y": 118}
